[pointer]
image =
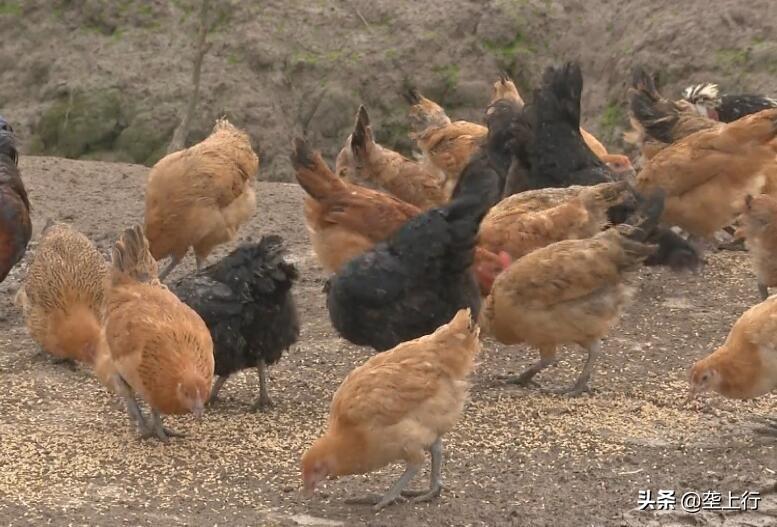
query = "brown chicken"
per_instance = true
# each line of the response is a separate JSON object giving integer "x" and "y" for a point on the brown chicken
{"x": 62, "y": 294}
{"x": 396, "y": 406}
{"x": 445, "y": 144}
{"x": 707, "y": 175}
{"x": 364, "y": 162}
{"x": 504, "y": 88}
{"x": 758, "y": 226}
{"x": 199, "y": 197}
{"x": 15, "y": 224}
{"x": 518, "y": 232}
{"x": 568, "y": 292}
{"x": 160, "y": 349}
{"x": 345, "y": 220}
{"x": 745, "y": 366}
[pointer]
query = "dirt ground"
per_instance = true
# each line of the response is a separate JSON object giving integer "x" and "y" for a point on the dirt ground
{"x": 68, "y": 455}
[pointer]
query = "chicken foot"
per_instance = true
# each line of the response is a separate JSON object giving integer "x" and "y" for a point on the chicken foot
{"x": 525, "y": 378}
{"x": 435, "y": 485}
{"x": 263, "y": 402}
{"x": 136, "y": 416}
{"x": 174, "y": 261}
{"x": 581, "y": 386}
{"x": 214, "y": 392}
{"x": 393, "y": 495}
{"x": 770, "y": 426}
{"x": 159, "y": 431}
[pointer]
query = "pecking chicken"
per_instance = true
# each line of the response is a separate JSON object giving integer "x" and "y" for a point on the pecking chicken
{"x": 572, "y": 291}
{"x": 395, "y": 407}
{"x": 656, "y": 121}
{"x": 15, "y": 224}
{"x": 160, "y": 349}
{"x": 445, "y": 144}
{"x": 518, "y": 232}
{"x": 364, "y": 162}
{"x": 200, "y": 196}
{"x": 707, "y": 175}
{"x": 346, "y": 220}
{"x": 759, "y": 229}
{"x": 62, "y": 294}
{"x": 245, "y": 299}
{"x": 745, "y": 366}
{"x": 413, "y": 282}
{"x": 708, "y": 102}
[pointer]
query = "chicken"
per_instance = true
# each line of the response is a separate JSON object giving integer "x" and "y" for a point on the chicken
{"x": 396, "y": 406}
{"x": 413, "y": 282}
{"x": 657, "y": 121}
{"x": 504, "y": 88}
{"x": 200, "y": 196}
{"x": 707, "y": 175}
{"x": 365, "y": 162}
{"x": 346, "y": 220}
{"x": 745, "y": 366}
{"x": 62, "y": 294}
{"x": 245, "y": 299}
{"x": 15, "y": 224}
{"x": 519, "y": 232}
{"x": 160, "y": 348}
{"x": 708, "y": 102}
{"x": 759, "y": 229}
{"x": 572, "y": 291}
{"x": 445, "y": 144}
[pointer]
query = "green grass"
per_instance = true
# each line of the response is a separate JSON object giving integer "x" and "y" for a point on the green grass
{"x": 10, "y": 8}
{"x": 612, "y": 117}
{"x": 506, "y": 52}
{"x": 449, "y": 74}
{"x": 731, "y": 58}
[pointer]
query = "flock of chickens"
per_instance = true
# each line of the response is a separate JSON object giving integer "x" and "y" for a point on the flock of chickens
{"x": 524, "y": 229}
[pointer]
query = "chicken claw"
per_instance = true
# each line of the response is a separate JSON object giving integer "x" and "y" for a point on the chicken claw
{"x": 214, "y": 392}
{"x": 263, "y": 403}
{"x": 770, "y": 426}
{"x": 394, "y": 494}
{"x": 421, "y": 496}
{"x": 159, "y": 431}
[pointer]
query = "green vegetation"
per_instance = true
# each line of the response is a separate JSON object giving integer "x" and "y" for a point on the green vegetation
{"x": 449, "y": 75}
{"x": 611, "y": 119}
{"x": 730, "y": 58}
{"x": 8, "y": 8}
{"x": 505, "y": 53}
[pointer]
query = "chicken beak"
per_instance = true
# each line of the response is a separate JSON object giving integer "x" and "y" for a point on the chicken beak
{"x": 692, "y": 393}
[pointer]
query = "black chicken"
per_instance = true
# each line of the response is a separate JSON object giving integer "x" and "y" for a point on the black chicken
{"x": 246, "y": 302}
{"x": 15, "y": 224}
{"x": 410, "y": 284}
{"x": 725, "y": 108}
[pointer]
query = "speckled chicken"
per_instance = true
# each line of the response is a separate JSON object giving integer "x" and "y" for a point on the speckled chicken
{"x": 365, "y": 162}
{"x": 200, "y": 196}
{"x": 160, "y": 349}
{"x": 245, "y": 299}
{"x": 395, "y": 407}
{"x": 745, "y": 366}
{"x": 726, "y": 108}
{"x": 15, "y": 224}
{"x": 572, "y": 291}
{"x": 62, "y": 295}
{"x": 759, "y": 229}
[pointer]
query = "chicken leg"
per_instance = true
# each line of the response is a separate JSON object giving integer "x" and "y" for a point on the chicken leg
{"x": 547, "y": 358}
{"x": 214, "y": 392}
{"x": 158, "y": 430}
{"x": 435, "y": 485}
{"x": 581, "y": 386}
{"x": 763, "y": 291}
{"x": 174, "y": 261}
{"x": 394, "y": 494}
{"x": 136, "y": 416}
{"x": 263, "y": 402}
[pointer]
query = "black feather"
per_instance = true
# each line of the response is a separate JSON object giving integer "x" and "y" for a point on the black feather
{"x": 733, "y": 107}
{"x": 245, "y": 300}
{"x": 413, "y": 282}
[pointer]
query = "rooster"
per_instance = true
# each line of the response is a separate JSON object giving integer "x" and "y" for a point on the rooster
{"x": 15, "y": 224}
{"x": 708, "y": 102}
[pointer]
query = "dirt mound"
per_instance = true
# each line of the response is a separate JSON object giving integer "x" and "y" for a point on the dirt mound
{"x": 107, "y": 80}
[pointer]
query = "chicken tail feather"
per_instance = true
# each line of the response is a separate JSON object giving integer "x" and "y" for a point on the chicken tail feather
{"x": 132, "y": 258}
{"x": 312, "y": 173}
